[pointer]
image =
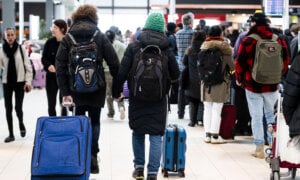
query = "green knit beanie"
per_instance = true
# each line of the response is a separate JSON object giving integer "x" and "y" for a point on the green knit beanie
{"x": 156, "y": 22}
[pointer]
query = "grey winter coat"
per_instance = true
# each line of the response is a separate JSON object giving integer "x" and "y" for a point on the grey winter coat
{"x": 146, "y": 117}
{"x": 219, "y": 93}
{"x": 83, "y": 31}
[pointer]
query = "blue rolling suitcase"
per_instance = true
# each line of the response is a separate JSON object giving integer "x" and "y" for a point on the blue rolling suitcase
{"x": 174, "y": 147}
{"x": 62, "y": 148}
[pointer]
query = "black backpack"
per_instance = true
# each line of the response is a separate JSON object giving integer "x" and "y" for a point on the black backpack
{"x": 84, "y": 66}
{"x": 149, "y": 77}
{"x": 210, "y": 66}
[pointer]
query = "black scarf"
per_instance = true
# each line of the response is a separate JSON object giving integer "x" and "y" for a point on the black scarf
{"x": 11, "y": 69}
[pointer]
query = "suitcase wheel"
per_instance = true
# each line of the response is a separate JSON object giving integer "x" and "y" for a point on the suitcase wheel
{"x": 165, "y": 172}
{"x": 181, "y": 173}
{"x": 275, "y": 176}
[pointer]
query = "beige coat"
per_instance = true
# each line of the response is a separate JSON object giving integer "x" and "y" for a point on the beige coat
{"x": 219, "y": 93}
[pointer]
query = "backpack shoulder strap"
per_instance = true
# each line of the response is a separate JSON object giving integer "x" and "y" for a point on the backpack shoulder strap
{"x": 274, "y": 37}
{"x": 21, "y": 51}
{"x": 94, "y": 35}
{"x": 72, "y": 38}
{"x": 75, "y": 42}
{"x": 255, "y": 36}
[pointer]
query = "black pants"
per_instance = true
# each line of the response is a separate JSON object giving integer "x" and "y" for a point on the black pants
{"x": 196, "y": 109}
{"x": 182, "y": 100}
{"x": 94, "y": 114}
{"x": 18, "y": 89}
{"x": 52, "y": 90}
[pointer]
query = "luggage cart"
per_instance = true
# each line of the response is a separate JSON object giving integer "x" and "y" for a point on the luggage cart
{"x": 273, "y": 153}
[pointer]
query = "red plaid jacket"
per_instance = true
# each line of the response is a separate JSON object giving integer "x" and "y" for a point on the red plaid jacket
{"x": 245, "y": 57}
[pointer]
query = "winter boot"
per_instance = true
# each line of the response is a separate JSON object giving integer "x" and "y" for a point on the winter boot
{"x": 259, "y": 152}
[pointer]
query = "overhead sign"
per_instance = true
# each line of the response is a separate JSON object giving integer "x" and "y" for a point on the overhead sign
{"x": 274, "y": 7}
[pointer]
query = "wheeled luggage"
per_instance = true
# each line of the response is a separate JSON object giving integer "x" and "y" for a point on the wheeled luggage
{"x": 39, "y": 80}
{"x": 62, "y": 148}
{"x": 174, "y": 147}
{"x": 228, "y": 118}
{"x": 278, "y": 149}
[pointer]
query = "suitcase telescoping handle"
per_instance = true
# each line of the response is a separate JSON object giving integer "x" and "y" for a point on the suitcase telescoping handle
{"x": 68, "y": 105}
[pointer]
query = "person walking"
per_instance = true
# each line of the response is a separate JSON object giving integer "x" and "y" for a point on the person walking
{"x": 261, "y": 97}
{"x": 190, "y": 77}
{"x": 16, "y": 78}
{"x": 146, "y": 117}
{"x": 215, "y": 96}
{"x": 183, "y": 41}
{"x": 120, "y": 49}
{"x": 58, "y": 29}
{"x": 85, "y": 20}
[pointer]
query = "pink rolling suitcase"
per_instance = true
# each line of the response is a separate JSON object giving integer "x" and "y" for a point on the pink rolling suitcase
{"x": 39, "y": 80}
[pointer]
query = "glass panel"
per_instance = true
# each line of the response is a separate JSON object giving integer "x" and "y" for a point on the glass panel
{"x": 159, "y": 2}
{"x": 99, "y": 3}
{"x": 132, "y": 3}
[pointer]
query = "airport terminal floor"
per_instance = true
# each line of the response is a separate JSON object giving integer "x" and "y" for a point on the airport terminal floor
{"x": 230, "y": 161}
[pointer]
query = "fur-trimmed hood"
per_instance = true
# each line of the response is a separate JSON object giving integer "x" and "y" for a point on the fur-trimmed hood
{"x": 219, "y": 43}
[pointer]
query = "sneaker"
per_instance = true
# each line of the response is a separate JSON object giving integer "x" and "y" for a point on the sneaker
{"x": 218, "y": 140}
{"x": 152, "y": 177}
{"x": 138, "y": 174}
{"x": 122, "y": 113}
{"x": 94, "y": 165}
{"x": 207, "y": 139}
{"x": 9, "y": 139}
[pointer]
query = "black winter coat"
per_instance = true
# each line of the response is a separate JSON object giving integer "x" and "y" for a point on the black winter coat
{"x": 190, "y": 74}
{"x": 291, "y": 100}
{"x": 49, "y": 53}
{"x": 83, "y": 31}
{"x": 145, "y": 117}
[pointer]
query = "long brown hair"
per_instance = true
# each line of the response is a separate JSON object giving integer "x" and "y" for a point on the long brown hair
{"x": 197, "y": 39}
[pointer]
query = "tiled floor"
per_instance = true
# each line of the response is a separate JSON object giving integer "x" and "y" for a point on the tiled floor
{"x": 231, "y": 161}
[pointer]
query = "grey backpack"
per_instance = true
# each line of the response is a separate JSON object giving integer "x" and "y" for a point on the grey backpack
{"x": 268, "y": 61}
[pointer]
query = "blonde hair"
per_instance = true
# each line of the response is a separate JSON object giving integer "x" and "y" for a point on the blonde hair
{"x": 85, "y": 12}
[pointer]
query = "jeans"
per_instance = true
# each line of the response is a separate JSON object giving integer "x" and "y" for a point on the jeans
{"x": 261, "y": 104}
{"x": 138, "y": 144}
{"x": 94, "y": 115}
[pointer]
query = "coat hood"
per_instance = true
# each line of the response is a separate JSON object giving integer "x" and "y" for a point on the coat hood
{"x": 83, "y": 29}
{"x": 150, "y": 37}
{"x": 219, "y": 43}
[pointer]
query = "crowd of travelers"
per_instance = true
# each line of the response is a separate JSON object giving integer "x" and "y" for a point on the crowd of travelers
{"x": 180, "y": 44}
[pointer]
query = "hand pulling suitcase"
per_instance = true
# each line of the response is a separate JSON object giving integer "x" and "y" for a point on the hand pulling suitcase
{"x": 62, "y": 148}
{"x": 174, "y": 147}
{"x": 228, "y": 118}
